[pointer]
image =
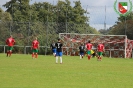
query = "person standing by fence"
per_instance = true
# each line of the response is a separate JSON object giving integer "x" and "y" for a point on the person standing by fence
{"x": 35, "y": 47}
{"x": 10, "y": 42}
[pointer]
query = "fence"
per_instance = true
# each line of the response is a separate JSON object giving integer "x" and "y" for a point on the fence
{"x": 66, "y": 51}
{"x": 99, "y": 18}
{"x": 26, "y": 49}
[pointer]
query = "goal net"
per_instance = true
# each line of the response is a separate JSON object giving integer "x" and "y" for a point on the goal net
{"x": 115, "y": 45}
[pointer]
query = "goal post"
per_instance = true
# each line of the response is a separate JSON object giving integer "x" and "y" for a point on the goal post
{"x": 115, "y": 45}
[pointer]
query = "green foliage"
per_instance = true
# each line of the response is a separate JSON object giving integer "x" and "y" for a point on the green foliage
{"x": 19, "y": 9}
{"x": 104, "y": 31}
{"x": 45, "y": 12}
{"x": 5, "y": 17}
{"x": 45, "y": 21}
{"x": 123, "y": 26}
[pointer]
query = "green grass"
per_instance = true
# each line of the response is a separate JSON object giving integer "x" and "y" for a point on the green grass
{"x": 20, "y": 71}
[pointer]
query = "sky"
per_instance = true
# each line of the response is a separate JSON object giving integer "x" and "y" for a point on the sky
{"x": 100, "y": 11}
{"x": 84, "y": 2}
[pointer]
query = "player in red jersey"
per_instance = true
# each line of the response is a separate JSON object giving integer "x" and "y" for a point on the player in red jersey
{"x": 89, "y": 48}
{"x": 35, "y": 47}
{"x": 10, "y": 42}
{"x": 100, "y": 50}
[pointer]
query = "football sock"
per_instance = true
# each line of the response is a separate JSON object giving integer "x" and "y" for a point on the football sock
{"x": 7, "y": 53}
{"x": 80, "y": 56}
{"x": 36, "y": 55}
{"x": 100, "y": 58}
{"x": 56, "y": 59}
{"x": 88, "y": 57}
{"x": 32, "y": 55}
{"x": 10, "y": 52}
{"x": 97, "y": 57}
{"x": 60, "y": 59}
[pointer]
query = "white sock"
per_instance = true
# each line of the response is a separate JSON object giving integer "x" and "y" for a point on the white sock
{"x": 56, "y": 59}
{"x": 80, "y": 57}
{"x": 60, "y": 59}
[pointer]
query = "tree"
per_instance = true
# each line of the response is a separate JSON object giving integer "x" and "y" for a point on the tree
{"x": 5, "y": 19}
{"x": 5, "y": 16}
{"x": 19, "y": 9}
{"x": 46, "y": 20}
{"x": 123, "y": 26}
{"x": 104, "y": 32}
{"x": 79, "y": 13}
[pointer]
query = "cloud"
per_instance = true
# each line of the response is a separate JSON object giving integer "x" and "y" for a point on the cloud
{"x": 99, "y": 15}
{"x": 2, "y": 2}
{"x": 97, "y": 3}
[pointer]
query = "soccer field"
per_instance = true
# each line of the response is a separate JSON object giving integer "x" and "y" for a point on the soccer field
{"x": 20, "y": 71}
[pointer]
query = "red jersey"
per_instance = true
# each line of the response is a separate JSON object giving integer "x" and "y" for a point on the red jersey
{"x": 100, "y": 47}
{"x": 35, "y": 44}
{"x": 89, "y": 46}
{"x": 10, "y": 41}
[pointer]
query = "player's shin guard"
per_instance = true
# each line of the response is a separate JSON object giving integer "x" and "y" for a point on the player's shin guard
{"x": 60, "y": 60}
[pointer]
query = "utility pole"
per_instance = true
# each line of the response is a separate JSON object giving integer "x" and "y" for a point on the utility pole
{"x": 105, "y": 19}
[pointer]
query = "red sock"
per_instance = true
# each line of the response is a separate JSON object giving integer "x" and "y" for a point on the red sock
{"x": 10, "y": 53}
{"x": 88, "y": 57}
{"x": 7, "y": 53}
{"x": 36, "y": 55}
{"x": 97, "y": 57}
{"x": 32, "y": 55}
